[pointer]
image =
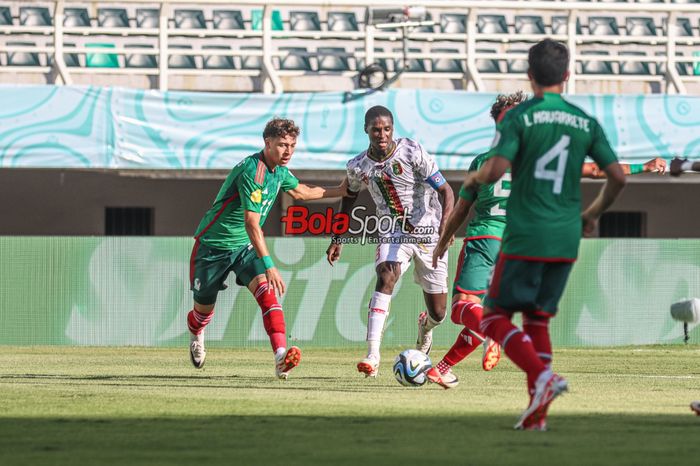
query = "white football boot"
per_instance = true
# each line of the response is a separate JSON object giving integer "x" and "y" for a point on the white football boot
{"x": 425, "y": 337}
{"x": 198, "y": 353}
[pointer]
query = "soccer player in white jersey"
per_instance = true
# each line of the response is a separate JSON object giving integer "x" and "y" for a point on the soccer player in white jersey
{"x": 405, "y": 184}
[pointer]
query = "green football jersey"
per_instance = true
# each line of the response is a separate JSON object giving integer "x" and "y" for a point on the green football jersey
{"x": 250, "y": 186}
{"x": 547, "y": 140}
{"x": 489, "y": 204}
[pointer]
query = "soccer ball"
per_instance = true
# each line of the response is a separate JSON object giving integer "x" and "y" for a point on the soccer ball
{"x": 410, "y": 367}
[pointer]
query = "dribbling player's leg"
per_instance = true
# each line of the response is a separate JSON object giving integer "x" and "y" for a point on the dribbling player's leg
{"x": 388, "y": 274}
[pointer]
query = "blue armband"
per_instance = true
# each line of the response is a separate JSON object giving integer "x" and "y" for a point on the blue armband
{"x": 436, "y": 180}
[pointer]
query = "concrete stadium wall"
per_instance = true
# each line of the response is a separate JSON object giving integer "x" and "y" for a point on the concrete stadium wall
{"x": 73, "y": 202}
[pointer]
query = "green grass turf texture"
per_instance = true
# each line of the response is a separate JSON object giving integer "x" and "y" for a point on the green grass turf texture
{"x": 149, "y": 406}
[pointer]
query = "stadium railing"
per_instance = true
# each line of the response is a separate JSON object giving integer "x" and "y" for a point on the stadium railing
{"x": 281, "y": 39}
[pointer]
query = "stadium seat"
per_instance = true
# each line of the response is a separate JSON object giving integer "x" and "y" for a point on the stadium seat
{"x": 333, "y": 59}
{"x": 603, "y": 26}
{"x": 342, "y": 21}
{"x": 446, "y": 65}
{"x": 492, "y": 24}
{"x": 72, "y": 59}
{"x": 596, "y": 67}
{"x": 251, "y": 62}
{"x": 638, "y": 67}
{"x": 34, "y": 16}
{"x": 527, "y": 24}
{"x": 76, "y": 18}
{"x": 189, "y": 19}
{"x": 256, "y": 20}
{"x": 227, "y": 19}
{"x": 453, "y": 23}
{"x": 415, "y": 65}
{"x": 682, "y": 28}
{"x": 684, "y": 68}
{"x": 487, "y": 65}
{"x": 217, "y": 62}
{"x": 139, "y": 60}
{"x": 304, "y": 21}
{"x": 560, "y": 25}
{"x": 5, "y": 16}
{"x": 112, "y": 18}
{"x": 184, "y": 62}
{"x": 22, "y": 58}
{"x": 296, "y": 60}
{"x": 640, "y": 26}
{"x": 147, "y": 18}
{"x": 101, "y": 60}
{"x": 517, "y": 66}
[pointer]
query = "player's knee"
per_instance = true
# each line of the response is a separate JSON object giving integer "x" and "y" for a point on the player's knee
{"x": 386, "y": 280}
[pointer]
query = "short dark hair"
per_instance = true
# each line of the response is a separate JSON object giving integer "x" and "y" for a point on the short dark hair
{"x": 280, "y": 127}
{"x": 505, "y": 101}
{"x": 548, "y": 61}
{"x": 378, "y": 111}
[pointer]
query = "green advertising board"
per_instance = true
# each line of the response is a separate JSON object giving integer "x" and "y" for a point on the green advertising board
{"x": 134, "y": 291}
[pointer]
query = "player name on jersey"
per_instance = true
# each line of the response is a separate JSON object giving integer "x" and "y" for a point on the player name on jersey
{"x": 557, "y": 117}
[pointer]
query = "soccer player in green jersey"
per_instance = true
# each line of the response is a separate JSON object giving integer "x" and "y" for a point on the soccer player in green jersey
{"x": 478, "y": 256}
{"x": 544, "y": 141}
{"x": 230, "y": 239}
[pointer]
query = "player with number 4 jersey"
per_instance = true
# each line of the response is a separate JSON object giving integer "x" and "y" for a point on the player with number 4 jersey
{"x": 544, "y": 141}
{"x": 479, "y": 251}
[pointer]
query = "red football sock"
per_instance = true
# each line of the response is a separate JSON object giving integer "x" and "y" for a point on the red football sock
{"x": 273, "y": 317}
{"x": 467, "y": 313}
{"x": 515, "y": 343}
{"x": 538, "y": 329}
{"x": 196, "y": 321}
{"x": 463, "y": 346}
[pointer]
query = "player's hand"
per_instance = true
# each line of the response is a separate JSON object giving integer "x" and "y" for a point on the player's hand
{"x": 676, "y": 166}
{"x": 656, "y": 165}
{"x": 275, "y": 282}
{"x": 333, "y": 252}
{"x": 589, "y": 223}
{"x": 440, "y": 250}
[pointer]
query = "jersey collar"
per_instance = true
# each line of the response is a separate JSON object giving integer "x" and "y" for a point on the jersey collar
{"x": 262, "y": 159}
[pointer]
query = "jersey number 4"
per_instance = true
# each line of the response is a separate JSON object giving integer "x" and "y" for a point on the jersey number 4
{"x": 560, "y": 152}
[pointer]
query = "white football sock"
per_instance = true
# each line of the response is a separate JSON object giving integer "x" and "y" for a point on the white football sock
{"x": 378, "y": 311}
{"x": 432, "y": 323}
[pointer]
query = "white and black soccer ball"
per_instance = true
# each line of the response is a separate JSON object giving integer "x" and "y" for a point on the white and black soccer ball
{"x": 410, "y": 368}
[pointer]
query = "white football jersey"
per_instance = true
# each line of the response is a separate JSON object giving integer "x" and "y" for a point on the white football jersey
{"x": 398, "y": 187}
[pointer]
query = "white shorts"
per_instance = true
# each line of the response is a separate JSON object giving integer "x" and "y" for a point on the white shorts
{"x": 433, "y": 281}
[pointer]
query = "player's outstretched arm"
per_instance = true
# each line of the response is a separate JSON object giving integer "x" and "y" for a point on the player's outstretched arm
{"x": 335, "y": 248}
{"x": 257, "y": 239}
{"x": 457, "y": 216}
{"x": 491, "y": 171}
{"x": 307, "y": 192}
{"x": 613, "y": 187}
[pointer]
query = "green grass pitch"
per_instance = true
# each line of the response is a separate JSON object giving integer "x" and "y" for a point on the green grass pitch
{"x": 127, "y": 406}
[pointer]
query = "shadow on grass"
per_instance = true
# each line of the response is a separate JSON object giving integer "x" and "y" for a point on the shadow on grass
{"x": 361, "y": 440}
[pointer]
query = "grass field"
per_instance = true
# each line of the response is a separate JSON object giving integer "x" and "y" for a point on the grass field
{"x": 149, "y": 406}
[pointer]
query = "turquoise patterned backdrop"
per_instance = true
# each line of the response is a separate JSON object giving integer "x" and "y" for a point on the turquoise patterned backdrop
{"x": 92, "y": 127}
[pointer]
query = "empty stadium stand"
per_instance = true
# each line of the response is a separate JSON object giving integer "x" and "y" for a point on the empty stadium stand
{"x": 475, "y": 45}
